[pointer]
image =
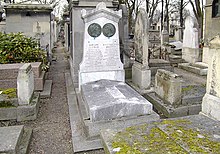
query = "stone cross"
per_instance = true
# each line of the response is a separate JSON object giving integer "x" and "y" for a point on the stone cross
{"x": 25, "y": 84}
{"x": 190, "y": 37}
{"x": 141, "y": 37}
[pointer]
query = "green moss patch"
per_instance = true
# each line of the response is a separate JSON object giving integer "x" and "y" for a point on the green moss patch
{"x": 192, "y": 140}
{"x": 168, "y": 136}
{"x": 9, "y": 93}
{"x": 142, "y": 139}
{"x": 6, "y": 104}
{"x": 188, "y": 88}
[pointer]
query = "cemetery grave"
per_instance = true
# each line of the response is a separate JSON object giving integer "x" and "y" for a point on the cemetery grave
{"x": 103, "y": 100}
{"x": 20, "y": 104}
{"x": 191, "y": 52}
{"x": 105, "y": 112}
{"x": 175, "y": 95}
{"x": 15, "y": 139}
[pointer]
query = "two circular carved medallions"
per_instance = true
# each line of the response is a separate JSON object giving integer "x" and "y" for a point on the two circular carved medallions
{"x": 95, "y": 30}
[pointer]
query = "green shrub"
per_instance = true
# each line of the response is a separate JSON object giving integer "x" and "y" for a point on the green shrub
{"x": 17, "y": 48}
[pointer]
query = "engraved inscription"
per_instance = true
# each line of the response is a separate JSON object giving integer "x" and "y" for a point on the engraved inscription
{"x": 94, "y": 30}
{"x": 102, "y": 56}
{"x": 109, "y": 30}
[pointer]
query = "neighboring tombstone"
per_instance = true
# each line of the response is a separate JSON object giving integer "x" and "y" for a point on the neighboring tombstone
{"x": 211, "y": 100}
{"x": 164, "y": 37}
{"x": 168, "y": 86}
{"x": 190, "y": 52}
{"x": 124, "y": 37}
{"x": 25, "y": 84}
{"x": 178, "y": 34}
{"x": 101, "y": 53}
{"x": 141, "y": 74}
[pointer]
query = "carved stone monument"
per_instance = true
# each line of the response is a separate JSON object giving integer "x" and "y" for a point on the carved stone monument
{"x": 101, "y": 53}
{"x": 190, "y": 51}
{"x": 25, "y": 84}
{"x": 141, "y": 74}
{"x": 211, "y": 100}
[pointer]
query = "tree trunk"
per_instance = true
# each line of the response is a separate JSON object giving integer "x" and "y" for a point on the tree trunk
{"x": 161, "y": 24}
{"x": 198, "y": 14}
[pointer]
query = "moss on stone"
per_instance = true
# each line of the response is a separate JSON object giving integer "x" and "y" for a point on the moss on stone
{"x": 188, "y": 88}
{"x": 10, "y": 92}
{"x": 6, "y": 104}
{"x": 192, "y": 140}
{"x": 140, "y": 139}
{"x": 168, "y": 136}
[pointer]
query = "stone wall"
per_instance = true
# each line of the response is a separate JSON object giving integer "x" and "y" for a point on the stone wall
{"x": 9, "y": 73}
{"x": 211, "y": 23}
{"x": 27, "y": 19}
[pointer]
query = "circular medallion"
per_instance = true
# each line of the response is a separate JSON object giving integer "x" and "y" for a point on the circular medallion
{"x": 109, "y": 30}
{"x": 94, "y": 30}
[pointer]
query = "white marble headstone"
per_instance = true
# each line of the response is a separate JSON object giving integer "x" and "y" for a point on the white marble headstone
{"x": 190, "y": 37}
{"x": 101, "y": 52}
{"x": 141, "y": 37}
{"x": 25, "y": 84}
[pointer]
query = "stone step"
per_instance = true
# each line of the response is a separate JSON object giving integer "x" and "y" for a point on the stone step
{"x": 193, "y": 94}
{"x": 14, "y": 139}
{"x": 46, "y": 93}
{"x": 170, "y": 111}
{"x": 191, "y": 134}
{"x": 25, "y": 141}
{"x": 194, "y": 68}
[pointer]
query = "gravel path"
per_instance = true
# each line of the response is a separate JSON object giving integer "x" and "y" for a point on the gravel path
{"x": 51, "y": 129}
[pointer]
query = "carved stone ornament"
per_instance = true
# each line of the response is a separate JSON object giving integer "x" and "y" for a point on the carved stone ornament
{"x": 109, "y": 30}
{"x": 94, "y": 30}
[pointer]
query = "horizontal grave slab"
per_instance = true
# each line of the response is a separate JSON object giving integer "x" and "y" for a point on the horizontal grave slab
{"x": 107, "y": 100}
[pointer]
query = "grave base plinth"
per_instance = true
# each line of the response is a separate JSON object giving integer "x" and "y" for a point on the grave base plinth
{"x": 141, "y": 76}
{"x": 211, "y": 106}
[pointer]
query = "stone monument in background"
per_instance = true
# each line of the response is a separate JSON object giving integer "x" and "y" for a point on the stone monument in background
{"x": 101, "y": 51}
{"x": 141, "y": 74}
{"x": 77, "y": 31}
{"x": 190, "y": 50}
{"x": 211, "y": 100}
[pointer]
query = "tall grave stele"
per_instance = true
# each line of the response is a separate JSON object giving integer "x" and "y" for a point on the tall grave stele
{"x": 190, "y": 51}
{"x": 211, "y": 100}
{"x": 101, "y": 53}
{"x": 141, "y": 74}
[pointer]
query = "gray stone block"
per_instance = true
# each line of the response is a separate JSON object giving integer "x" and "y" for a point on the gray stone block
{"x": 106, "y": 100}
{"x": 194, "y": 68}
{"x": 9, "y": 113}
{"x": 29, "y": 112}
{"x": 211, "y": 106}
{"x": 195, "y": 109}
{"x": 169, "y": 111}
{"x": 141, "y": 76}
{"x": 46, "y": 93}
{"x": 39, "y": 82}
{"x": 93, "y": 129}
{"x": 10, "y": 138}
{"x": 25, "y": 141}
